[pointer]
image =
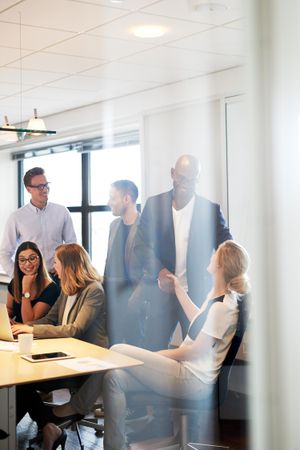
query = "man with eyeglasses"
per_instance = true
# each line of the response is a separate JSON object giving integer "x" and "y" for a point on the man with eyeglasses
{"x": 177, "y": 234}
{"x": 47, "y": 224}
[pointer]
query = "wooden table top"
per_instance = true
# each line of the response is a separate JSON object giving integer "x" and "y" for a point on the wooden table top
{"x": 15, "y": 370}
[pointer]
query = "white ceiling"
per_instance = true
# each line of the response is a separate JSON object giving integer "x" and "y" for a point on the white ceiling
{"x": 69, "y": 53}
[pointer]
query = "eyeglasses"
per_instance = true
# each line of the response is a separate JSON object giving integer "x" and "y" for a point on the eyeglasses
{"x": 32, "y": 259}
{"x": 40, "y": 187}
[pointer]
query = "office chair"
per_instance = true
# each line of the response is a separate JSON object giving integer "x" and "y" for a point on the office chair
{"x": 74, "y": 425}
{"x": 187, "y": 409}
{"x": 89, "y": 422}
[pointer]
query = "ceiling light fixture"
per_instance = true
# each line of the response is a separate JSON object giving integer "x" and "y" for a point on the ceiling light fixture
{"x": 207, "y": 6}
{"x": 36, "y": 124}
{"x": 35, "y": 127}
{"x": 9, "y": 133}
{"x": 149, "y": 31}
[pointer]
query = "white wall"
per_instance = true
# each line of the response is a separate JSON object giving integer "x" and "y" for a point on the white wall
{"x": 193, "y": 128}
{"x": 187, "y": 108}
{"x": 239, "y": 214}
{"x": 8, "y": 186}
{"x": 126, "y": 110}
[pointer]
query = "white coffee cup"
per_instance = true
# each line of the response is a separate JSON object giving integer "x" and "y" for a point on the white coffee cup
{"x": 25, "y": 343}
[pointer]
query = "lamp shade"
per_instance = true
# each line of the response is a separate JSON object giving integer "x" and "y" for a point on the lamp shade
{"x": 10, "y": 136}
{"x": 35, "y": 124}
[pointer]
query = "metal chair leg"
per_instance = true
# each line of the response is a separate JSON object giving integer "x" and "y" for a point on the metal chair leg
{"x": 184, "y": 427}
{"x": 79, "y": 436}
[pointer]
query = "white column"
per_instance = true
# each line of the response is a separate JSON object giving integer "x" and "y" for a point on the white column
{"x": 275, "y": 171}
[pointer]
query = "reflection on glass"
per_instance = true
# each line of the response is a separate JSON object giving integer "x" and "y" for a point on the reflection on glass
{"x": 65, "y": 187}
{"x": 110, "y": 165}
{"x": 100, "y": 230}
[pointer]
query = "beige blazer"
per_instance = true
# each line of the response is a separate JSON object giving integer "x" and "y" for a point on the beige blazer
{"x": 85, "y": 321}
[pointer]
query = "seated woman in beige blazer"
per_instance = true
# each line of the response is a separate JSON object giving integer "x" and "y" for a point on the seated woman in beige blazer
{"x": 79, "y": 312}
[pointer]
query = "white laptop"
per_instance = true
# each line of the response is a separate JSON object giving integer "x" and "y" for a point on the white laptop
{"x": 5, "y": 329}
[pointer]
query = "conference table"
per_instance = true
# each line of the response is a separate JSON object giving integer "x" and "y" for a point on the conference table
{"x": 14, "y": 370}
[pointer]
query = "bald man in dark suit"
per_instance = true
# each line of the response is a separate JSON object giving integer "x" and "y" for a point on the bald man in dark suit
{"x": 178, "y": 233}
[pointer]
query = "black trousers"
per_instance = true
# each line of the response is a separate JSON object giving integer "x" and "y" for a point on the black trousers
{"x": 29, "y": 401}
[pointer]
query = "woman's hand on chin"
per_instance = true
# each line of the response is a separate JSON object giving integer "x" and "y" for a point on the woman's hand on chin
{"x": 27, "y": 281}
{"x": 19, "y": 328}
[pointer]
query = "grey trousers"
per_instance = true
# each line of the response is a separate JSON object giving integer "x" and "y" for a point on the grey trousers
{"x": 158, "y": 374}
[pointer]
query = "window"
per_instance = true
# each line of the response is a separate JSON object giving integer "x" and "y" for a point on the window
{"x": 124, "y": 163}
{"x": 81, "y": 181}
{"x": 64, "y": 188}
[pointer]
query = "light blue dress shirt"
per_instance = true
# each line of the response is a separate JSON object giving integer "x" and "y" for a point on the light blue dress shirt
{"x": 47, "y": 227}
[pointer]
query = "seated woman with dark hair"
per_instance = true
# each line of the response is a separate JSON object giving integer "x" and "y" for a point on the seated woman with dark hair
{"x": 31, "y": 292}
{"x": 80, "y": 313}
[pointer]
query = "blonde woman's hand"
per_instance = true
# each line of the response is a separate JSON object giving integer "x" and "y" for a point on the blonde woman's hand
{"x": 174, "y": 280}
{"x": 164, "y": 282}
{"x": 19, "y": 328}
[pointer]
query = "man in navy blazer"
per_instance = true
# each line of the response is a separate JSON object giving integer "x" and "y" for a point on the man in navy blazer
{"x": 178, "y": 233}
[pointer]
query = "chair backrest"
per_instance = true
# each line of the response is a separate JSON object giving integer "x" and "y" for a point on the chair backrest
{"x": 223, "y": 379}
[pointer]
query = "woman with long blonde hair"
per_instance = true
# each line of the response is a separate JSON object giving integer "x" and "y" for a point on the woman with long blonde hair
{"x": 191, "y": 370}
{"x": 80, "y": 313}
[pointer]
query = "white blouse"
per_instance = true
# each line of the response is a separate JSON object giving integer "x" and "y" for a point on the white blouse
{"x": 221, "y": 323}
{"x": 69, "y": 304}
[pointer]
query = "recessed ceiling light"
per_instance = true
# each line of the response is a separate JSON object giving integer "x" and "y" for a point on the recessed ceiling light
{"x": 207, "y": 6}
{"x": 149, "y": 31}
{"x": 116, "y": 1}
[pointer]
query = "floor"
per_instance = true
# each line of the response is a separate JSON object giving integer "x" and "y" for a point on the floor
{"x": 230, "y": 433}
{"x": 27, "y": 429}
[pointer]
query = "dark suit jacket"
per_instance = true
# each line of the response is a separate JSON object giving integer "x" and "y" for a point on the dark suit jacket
{"x": 155, "y": 244}
{"x": 133, "y": 267}
{"x": 122, "y": 319}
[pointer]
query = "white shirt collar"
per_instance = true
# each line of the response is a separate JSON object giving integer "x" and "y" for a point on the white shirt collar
{"x": 35, "y": 208}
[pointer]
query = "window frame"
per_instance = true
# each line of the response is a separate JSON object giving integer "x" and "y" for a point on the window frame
{"x": 86, "y": 208}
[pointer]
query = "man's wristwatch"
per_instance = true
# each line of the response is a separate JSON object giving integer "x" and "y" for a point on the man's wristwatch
{"x": 26, "y": 294}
